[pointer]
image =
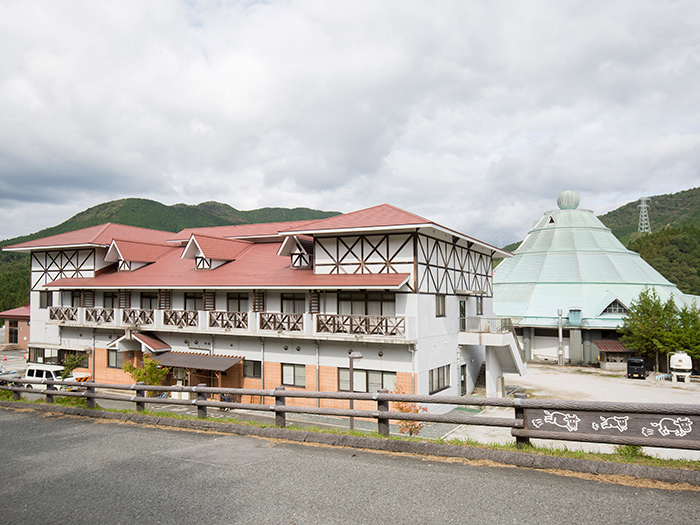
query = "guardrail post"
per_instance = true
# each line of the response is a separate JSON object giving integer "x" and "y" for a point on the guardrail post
{"x": 520, "y": 442}
{"x": 49, "y": 396}
{"x": 383, "y": 406}
{"x": 17, "y": 396}
{"x": 201, "y": 396}
{"x": 90, "y": 390}
{"x": 280, "y": 401}
{"x": 140, "y": 405}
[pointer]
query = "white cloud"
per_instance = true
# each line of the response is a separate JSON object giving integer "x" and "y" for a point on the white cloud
{"x": 472, "y": 114}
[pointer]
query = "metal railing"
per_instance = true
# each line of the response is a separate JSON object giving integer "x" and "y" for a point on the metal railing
{"x": 485, "y": 325}
{"x": 652, "y": 425}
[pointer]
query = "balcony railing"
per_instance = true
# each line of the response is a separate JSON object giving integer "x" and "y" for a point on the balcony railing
{"x": 228, "y": 320}
{"x": 485, "y": 325}
{"x": 134, "y": 316}
{"x": 99, "y": 315}
{"x": 63, "y": 313}
{"x": 360, "y": 324}
{"x": 181, "y": 318}
{"x": 281, "y": 322}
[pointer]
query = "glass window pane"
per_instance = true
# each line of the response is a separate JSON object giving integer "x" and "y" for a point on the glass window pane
{"x": 374, "y": 381}
{"x": 288, "y": 374}
{"x": 389, "y": 381}
{"x": 344, "y": 379}
{"x": 359, "y": 378}
{"x": 300, "y": 375}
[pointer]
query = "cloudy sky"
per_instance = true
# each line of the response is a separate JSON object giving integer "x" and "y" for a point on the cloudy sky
{"x": 473, "y": 114}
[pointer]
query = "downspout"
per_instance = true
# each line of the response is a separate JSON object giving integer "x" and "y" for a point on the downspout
{"x": 412, "y": 349}
{"x": 262, "y": 364}
{"x": 318, "y": 373}
{"x": 93, "y": 354}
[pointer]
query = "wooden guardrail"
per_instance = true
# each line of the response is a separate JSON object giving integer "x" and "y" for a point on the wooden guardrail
{"x": 651, "y": 425}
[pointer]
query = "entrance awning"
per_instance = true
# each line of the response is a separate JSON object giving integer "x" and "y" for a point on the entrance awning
{"x": 218, "y": 363}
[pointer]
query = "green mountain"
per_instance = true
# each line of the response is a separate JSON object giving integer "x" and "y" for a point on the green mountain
{"x": 14, "y": 267}
{"x": 675, "y": 210}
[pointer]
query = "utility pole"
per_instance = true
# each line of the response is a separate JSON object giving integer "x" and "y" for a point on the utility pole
{"x": 644, "y": 226}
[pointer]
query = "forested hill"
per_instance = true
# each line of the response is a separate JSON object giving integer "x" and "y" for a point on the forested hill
{"x": 675, "y": 210}
{"x": 151, "y": 214}
{"x": 14, "y": 267}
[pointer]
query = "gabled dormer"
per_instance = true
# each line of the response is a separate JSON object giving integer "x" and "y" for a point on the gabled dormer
{"x": 211, "y": 252}
{"x": 615, "y": 307}
{"x": 300, "y": 249}
{"x": 132, "y": 255}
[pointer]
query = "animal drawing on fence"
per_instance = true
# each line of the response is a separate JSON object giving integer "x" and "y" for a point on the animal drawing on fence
{"x": 560, "y": 419}
{"x": 617, "y": 422}
{"x": 679, "y": 427}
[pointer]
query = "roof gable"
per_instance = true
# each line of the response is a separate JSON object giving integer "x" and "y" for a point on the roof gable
{"x": 382, "y": 215}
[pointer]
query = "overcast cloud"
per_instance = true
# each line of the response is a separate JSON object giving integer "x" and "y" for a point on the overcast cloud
{"x": 473, "y": 114}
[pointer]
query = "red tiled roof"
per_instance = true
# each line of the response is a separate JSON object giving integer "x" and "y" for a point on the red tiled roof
{"x": 382, "y": 215}
{"x": 101, "y": 235}
{"x": 151, "y": 341}
{"x": 239, "y": 230}
{"x": 220, "y": 249}
{"x": 611, "y": 346}
{"x": 20, "y": 313}
{"x": 142, "y": 251}
{"x": 258, "y": 266}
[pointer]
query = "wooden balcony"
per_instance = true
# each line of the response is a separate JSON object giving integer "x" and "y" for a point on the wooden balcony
{"x": 360, "y": 324}
{"x": 99, "y": 315}
{"x": 228, "y": 320}
{"x": 281, "y": 322}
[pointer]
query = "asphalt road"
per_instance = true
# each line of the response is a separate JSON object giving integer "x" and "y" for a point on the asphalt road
{"x": 58, "y": 469}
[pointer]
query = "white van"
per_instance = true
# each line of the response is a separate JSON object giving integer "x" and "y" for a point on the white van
{"x": 42, "y": 371}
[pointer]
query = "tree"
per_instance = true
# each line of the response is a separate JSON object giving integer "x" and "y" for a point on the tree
{"x": 412, "y": 428}
{"x": 151, "y": 373}
{"x": 652, "y": 327}
{"x": 71, "y": 362}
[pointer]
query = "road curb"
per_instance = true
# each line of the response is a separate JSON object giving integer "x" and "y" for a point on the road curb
{"x": 518, "y": 459}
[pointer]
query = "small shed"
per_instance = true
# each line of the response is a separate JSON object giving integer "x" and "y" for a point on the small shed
{"x": 16, "y": 327}
{"x": 613, "y": 355}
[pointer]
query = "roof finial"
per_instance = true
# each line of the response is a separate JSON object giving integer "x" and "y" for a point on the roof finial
{"x": 568, "y": 200}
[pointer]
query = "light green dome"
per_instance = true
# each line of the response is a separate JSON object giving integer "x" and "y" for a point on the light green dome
{"x": 568, "y": 200}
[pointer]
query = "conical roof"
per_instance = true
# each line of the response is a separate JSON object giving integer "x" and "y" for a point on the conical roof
{"x": 570, "y": 260}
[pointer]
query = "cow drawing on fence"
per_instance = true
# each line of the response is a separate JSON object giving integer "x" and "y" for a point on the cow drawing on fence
{"x": 560, "y": 419}
{"x": 618, "y": 422}
{"x": 680, "y": 426}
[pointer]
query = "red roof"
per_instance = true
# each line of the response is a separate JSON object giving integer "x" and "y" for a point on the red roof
{"x": 239, "y": 230}
{"x": 220, "y": 249}
{"x": 141, "y": 251}
{"x": 377, "y": 216}
{"x": 151, "y": 341}
{"x": 101, "y": 235}
{"x": 21, "y": 313}
{"x": 257, "y": 267}
{"x": 612, "y": 347}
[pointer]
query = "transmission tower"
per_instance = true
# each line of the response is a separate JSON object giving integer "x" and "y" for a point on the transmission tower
{"x": 644, "y": 226}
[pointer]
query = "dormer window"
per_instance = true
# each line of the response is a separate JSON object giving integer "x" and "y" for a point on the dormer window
{"x": 551, "y": 220}
{"x": 124, "y": 266}
{"x": 615, "y": 307}
{"x": 300, "y": 259}
{"x": 202, "y": 263}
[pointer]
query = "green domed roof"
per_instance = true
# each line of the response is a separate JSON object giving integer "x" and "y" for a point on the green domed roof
{"x": 571, "y": 260}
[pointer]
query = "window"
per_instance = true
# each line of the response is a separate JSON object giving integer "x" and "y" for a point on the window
{"x": 115, "y": 359}
{"x": 479, "y": 305}
{"x": 359, "y": 303}
{"x": 293, "y": 303}
{"x": 365, "y": 380}
{"x": 194, "y": 302}
{"x": 440, "y": 305}
{"x": 45, "y": 299}
{"x": 237, "y": 302}
{"x": 202, "y": 263}
{"x": 43, "y": 355}
{"x": 63, "y": 354}
{"x": 149, "y": 300}
{"x": 438, "y": 379}
{"x": 75, "y": 298}
{"x": 13, "y": 332}
{"x": 294, "y": 375}
{"x": 252, "y": 369}
{"x": 615, "y": 308}
{"x": 110, "y": 300}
